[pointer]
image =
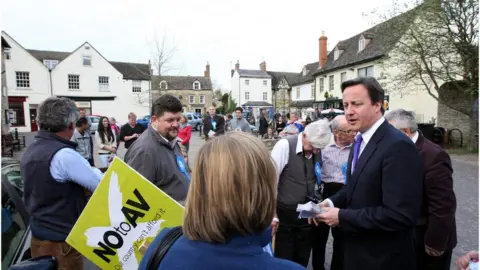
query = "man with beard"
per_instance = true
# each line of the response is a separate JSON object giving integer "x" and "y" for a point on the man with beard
{"x": 156, "y": 154}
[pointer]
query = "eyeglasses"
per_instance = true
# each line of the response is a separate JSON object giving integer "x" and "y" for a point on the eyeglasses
{"x": 346, "y": 132}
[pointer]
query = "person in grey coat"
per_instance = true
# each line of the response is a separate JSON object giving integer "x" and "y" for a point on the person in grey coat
{"x": 156, "y": 154}
{"x": 239, "y": 123}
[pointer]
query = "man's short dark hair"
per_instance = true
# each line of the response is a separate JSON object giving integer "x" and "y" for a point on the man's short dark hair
{"x": 82, "y": 121}
{"x": 229, "y": 116}
{"x": 374, "y": 89}
{"x": 239, "y": 109}
{"x": 166, "y": 103}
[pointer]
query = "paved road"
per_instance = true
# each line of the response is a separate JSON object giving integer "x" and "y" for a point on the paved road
{"x": 465, "y": 185}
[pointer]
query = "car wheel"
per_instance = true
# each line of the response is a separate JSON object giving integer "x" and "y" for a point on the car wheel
{"x": 196, "y": 127}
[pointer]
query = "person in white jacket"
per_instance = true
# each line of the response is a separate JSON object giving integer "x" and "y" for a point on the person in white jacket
{"x": 105, "y": 144}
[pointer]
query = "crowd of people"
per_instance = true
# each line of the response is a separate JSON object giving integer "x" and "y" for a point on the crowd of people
{"x": 386, "y": 192}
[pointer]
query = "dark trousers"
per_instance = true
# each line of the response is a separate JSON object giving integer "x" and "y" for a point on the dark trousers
{"x": 320, "y": 236}
{"x": 427, "y": 262}
{"x": 293, "y": 240}
{"x": 68, "y": 257}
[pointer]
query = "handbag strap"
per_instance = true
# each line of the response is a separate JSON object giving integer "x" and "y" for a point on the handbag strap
{"x": 163, "y": 246}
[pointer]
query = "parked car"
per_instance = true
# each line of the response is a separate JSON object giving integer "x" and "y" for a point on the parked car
{"x": 194, "y": 120}
{"x": 144, "y": 121}
{"x": 95, "y": 119}
{"x": 16, "y": 234}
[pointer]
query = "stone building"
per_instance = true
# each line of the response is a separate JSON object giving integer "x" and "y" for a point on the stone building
{"x": 195, "y": 92}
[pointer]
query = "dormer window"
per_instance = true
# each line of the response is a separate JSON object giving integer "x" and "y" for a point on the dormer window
{"x": 336, "y": 54}
{"x": 196, "y": 86}
{"x": 338, "y": 50}
{"x": 163, "y": 85}
{"x": 305, "y": 71}
{"x": 361, "y": 44}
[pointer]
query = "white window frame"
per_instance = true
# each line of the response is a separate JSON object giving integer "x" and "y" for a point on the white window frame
{"x": 331, "y": 82}
{"x": 297, "y": 93}
{"x": 22, "y": 79}
{"x": 191, "y": 99}
{"x": 162, "y": 84}
{"x": 363, "y": 72}
{"x": 87, "y": 60}
{"x": 312, "y": 91}
{"x": 336, "y": 54}
{"x": 201, "y": 99}
{"x": 103, "y": 83}
{"x": 136, "y": 86}
{"x": 361, "y": 44}
{"x": 247, "y": 82}
{"x": 321, "y": 83}
{"x": 265, "y": 83}
{"x": 50, "y": 64}
{"x": 196, "y": 85}
{"x": 265, "y": 96}
{"x": 73, "y": 82}
{"x": 343, "y": 77}
{"x": 247, "y": 95}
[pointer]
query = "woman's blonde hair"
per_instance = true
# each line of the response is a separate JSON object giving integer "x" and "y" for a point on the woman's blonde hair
{"x": 233, "y": 189}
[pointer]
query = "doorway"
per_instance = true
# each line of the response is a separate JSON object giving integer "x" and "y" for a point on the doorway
{"x": 33, "y": 120}
{"x": 198, "y": 111}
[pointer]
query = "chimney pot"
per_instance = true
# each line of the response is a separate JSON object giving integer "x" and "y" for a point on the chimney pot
{"x": 263, "y": 66}
{"x": 322, "y": 48}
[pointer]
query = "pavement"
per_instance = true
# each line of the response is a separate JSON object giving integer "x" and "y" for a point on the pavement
{"x": 465, "y": 185}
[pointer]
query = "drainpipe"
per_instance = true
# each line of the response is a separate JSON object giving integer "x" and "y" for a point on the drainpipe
{"x": 51, "y": 84}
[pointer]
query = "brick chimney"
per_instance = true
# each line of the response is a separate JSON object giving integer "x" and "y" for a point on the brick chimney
{"x": 322, "y": 48}
{"x": 263, "y": 66}
{"x": 206, "y": 73}
{"x": 237, "y": 65}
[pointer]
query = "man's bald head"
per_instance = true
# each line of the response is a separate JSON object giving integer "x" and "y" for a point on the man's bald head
{"x": 340, "y": 122}
{"x": 341, "y": 131}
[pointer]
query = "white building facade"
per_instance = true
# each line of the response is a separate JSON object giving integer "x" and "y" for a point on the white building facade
{"x": 84, "y": 75}
{"x": 252, "y": 89}
{"x": 368, "y": 54}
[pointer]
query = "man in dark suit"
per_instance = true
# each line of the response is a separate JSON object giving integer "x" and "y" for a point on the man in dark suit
{"x": 213, "y": 122}
{"x": 436, "y": 229}
{"x": 378, "y": 208}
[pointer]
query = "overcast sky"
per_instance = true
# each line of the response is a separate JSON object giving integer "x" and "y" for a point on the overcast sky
{"x": 284, "y": 33}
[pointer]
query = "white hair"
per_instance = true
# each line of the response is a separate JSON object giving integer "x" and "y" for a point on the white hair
{"x": 318, "y": 133}
{"x": 401, "y": 118}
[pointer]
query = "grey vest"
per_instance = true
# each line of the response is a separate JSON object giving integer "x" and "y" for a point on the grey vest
{"x": 297, "y": 180}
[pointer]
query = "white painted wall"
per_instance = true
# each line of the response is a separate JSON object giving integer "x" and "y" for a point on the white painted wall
{"x": 256, "y": 88}
{"x": 413, "y": 97}
{"x": 125, "y": 99}
{"x": 305, "y": 92}
{"x": 39, "y": 88}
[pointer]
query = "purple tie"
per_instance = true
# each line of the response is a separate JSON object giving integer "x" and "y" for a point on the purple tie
{"x": 356, "y": 151}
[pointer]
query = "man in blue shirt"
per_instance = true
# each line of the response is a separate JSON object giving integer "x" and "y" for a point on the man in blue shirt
{"x": 56, "y": 178}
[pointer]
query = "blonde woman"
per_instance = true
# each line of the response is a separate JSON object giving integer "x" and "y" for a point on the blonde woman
{"x": 230, "y": 207}
{"x": 106, "y": 144}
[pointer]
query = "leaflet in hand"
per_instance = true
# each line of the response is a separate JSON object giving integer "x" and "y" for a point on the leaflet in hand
{"x": 308, "y": 210}
{"x": 211, "y": 133}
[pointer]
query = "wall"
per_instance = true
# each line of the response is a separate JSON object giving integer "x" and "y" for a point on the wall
{"x": 305, "y": 92}
{"x": 39, "y": 89}
{"x": 197, "y": 93}
{"x": 4, "y": 97}
{"x": 255, "y": 88}
{"x": 450, "y": 119}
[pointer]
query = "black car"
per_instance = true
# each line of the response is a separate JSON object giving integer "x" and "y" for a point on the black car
{"x": 15, "y": 219}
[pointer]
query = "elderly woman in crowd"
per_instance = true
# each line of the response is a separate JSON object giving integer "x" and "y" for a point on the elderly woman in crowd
{"x": 230, "y": 206}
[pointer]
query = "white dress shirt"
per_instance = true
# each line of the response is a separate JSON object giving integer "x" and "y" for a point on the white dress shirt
{"x": 281, "y": 151}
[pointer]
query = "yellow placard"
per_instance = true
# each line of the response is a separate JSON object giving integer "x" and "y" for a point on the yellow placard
{"x": 125, "y": 211}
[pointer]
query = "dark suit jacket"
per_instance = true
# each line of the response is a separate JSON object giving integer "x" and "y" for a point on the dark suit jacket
{"x": 436, "y": 227}
{"x": 381, "y": 203}
{"x": 207, "y": 125}
{"x": 263, "y": 126}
